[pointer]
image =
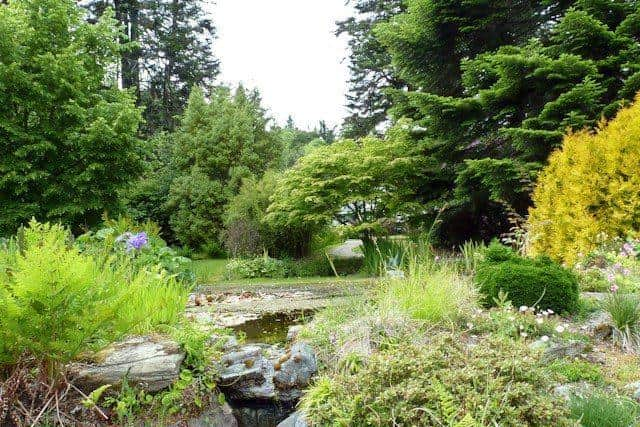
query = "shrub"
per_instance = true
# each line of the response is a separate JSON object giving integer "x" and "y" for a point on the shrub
{"x": 383, "y": 255}
{"x": 590, "y": 187}
{"x": 262, "y": 267}
{"x": 429, "y": 292}
{"x": 308, "y": 267}
{"x": 140, "y": 245}
{"x": 625, "y": 313}
{"x": 528, "y": 282}
{"x": 58, "y": 302}
{"x": 497, "y": 383}
{"x": 599, "y": 410}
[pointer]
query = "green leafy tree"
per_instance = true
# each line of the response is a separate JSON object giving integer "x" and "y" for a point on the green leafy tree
{"x": 356, "y": 183}
{"x": 68, "y": 135}
{"x": 221, "y": 141}
{"x": 169, "y": 51}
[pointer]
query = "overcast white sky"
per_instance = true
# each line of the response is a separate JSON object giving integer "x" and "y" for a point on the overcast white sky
{"x": 286, "y": 49}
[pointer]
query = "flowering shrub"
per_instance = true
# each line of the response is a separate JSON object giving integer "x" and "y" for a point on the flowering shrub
{"x": 613, "y": 265}
{"x": 138, "y": 245}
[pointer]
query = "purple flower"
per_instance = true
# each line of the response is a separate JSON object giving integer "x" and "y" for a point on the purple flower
{"x": 137, "y": 241}
{"x": 614, "y": 288}
{"x": 628, "y": 250}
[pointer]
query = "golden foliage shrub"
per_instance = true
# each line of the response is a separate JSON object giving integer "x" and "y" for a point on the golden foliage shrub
{"x": 589, "y": 190}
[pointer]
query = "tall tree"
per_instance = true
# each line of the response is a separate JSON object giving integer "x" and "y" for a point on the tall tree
{"x": 220, "y": 142}
{"x": 486, "y": 142}
{"x": 370, "y": 66}
{"x": 67, "y": 138}
{"x": 170, "y": 51}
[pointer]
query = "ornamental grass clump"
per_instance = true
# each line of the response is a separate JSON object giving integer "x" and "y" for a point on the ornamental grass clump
{"x": 625, "y": 313}
{"x": 430, "y": 291}
{"x": 56, "y": 303}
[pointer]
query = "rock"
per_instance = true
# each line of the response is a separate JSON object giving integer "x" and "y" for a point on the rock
{"x": 570, "y": 349}
{"x": 296, "y": 372}
{"x": 293, "y": 332}
{"x": 634, "y": 388}
{"x": 296, "y": 419}
{"x": 348, "y": 250}
{"x": 266, "y": 373}
{"x": 215, "y": 416}
{"x": 148, "y": 363}
{"x": 599, "y": 325}
{"x": 566, "y": 391}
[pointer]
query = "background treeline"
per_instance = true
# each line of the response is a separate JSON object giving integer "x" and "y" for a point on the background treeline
{"x": 111, "y": 106}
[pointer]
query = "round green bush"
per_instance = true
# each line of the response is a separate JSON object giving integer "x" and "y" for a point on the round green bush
{"x": 540, "y": 282}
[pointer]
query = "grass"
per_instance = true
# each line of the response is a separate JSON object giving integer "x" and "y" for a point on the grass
{"x": 209, "y": 270}
{"x": 430, "y": 291}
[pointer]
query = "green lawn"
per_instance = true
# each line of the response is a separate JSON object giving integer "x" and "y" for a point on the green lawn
{"x": 209, "y": 271}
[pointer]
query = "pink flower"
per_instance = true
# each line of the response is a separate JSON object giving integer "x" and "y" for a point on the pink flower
{"x": 614, "y": 288}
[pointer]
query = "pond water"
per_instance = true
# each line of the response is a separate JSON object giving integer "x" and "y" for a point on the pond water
{"x": 268, "y": 329}
{"x": 272, "y": 328}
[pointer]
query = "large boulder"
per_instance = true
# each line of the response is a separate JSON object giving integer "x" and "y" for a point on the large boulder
{"x": 214, "y": 416}
{"x": 148, "y": 363}
{"x": 266, "y": 373}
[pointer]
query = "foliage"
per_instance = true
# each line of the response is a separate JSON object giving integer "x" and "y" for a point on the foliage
{"x": 625, "y": 313}
{"x": 357, "y": 183}
{"x": 261, "y": 267}
{"x": 430, "y": 292}
{"x": 503, "y": 82}
{"x": 522, "y": 323}
{"x": 613, "y": 264}
{"x": 68, "y": 135}
{"x": 247, "y": 233}
{"x": 383, "y": 255}
{"x": 574, "y": 205}
{"x": 209, "y": 270}
{"x": 113, "y": 243}
{"x": 57, "y": 302}
{"x": 370, "y": 66}
{"x": 527, "y": 282}
{"x": 578, "y": 370}
{"x": 497, "y": 383}
{"x": 600, "y": 410}
{"x": 222, "y": 139}
{"x": 172, "y": 52}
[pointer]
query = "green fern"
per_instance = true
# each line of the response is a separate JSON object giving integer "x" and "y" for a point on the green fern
{"x": 447, "y": 402}
{"x": 467, "y": 421}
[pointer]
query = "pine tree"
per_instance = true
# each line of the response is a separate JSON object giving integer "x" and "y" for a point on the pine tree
{"x": 370, "y": 66}
{"x": 169, "y": 51}
{"x": 485, "y": 140}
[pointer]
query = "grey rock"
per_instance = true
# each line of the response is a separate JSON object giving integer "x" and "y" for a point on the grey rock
{"x": 148, "y": 363}
{"x": 599, "y": 325}
{"x": 296, "y": 419}
{"x": 634, "y": 388}
{"x": 567, "y": 391}
{"x": 267, "y": 373}
{"x": 570, "y": 349}
{"x": 296, "y": 372}
{"x": 215, "y": 416}
{"x": 348, "y": 250}
{"x": 293, "y": 332}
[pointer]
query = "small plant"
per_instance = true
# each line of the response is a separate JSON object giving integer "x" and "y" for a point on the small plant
{"x": 599, "y": 410}
{"x": 625, "y": 313}
{"x": 578, "y": 370}
{"x": 471, "y": 255}
{"x": 262, "y": 267}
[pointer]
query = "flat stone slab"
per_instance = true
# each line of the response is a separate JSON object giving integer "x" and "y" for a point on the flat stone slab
{"x": 149, "y": 363}
{"x": 348, "y": 250}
